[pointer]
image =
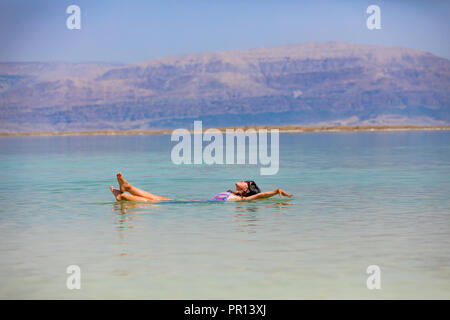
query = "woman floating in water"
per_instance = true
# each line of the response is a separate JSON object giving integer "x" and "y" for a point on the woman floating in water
{"x": 245, "y": 191}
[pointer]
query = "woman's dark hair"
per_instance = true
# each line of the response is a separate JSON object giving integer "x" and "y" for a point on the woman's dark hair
{"x": 252, "y": 189}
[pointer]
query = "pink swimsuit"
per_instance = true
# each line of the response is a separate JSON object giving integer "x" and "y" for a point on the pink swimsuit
{"x": 223, "y": 196}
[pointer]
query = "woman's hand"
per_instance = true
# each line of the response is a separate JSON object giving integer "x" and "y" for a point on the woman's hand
{"x": 283, "y": 193}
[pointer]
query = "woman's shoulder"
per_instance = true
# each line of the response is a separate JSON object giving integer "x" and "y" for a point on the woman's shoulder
{"x": 233, "y": 197}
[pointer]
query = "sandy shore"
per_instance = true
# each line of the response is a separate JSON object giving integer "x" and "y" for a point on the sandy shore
{"x": 285, "y": 129}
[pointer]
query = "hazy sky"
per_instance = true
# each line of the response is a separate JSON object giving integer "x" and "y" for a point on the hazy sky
{"x": 134, "y": 31}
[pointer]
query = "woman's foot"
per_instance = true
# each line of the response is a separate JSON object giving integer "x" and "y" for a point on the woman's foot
{"x": 116, "y": 193}
{"x": 123, "y": 184}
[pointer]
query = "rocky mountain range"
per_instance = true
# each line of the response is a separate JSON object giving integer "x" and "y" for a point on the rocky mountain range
{"x": 327, "y": 83}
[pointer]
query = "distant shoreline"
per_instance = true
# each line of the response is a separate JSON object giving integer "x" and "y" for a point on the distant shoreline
{"x": 283, "y": 129}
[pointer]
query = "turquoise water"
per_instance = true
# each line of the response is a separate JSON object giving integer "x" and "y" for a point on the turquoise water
{"x": 360, "y": 199}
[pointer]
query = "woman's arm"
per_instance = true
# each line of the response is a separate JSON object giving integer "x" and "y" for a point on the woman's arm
{"x": 267, "y": 194}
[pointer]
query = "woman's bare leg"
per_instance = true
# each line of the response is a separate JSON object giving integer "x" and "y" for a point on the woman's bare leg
{"x": 125, "y": 196}
{"x": 126, "y": 186}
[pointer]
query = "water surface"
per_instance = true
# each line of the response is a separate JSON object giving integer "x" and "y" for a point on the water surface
{"x": 365, "y": 198}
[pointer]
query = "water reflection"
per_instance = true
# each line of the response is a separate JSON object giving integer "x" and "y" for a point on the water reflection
{"x": 126, "y": 215}
{"x": 281, "y": 205}
{"x": 246, "y": 218}
{"x": 126, "y": 219}
{"x": 127, "y": 206}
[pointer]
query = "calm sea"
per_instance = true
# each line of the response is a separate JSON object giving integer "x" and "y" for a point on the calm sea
{"x": 360, "y": 199}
